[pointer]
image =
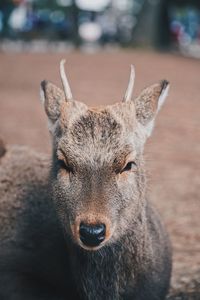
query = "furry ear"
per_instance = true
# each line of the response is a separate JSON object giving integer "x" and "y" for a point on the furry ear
{"x": 149, "y": 103}
{"x": 51, "y": 97}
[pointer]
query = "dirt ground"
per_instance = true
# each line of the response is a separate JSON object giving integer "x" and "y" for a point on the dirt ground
{"x": 172, "y": 154}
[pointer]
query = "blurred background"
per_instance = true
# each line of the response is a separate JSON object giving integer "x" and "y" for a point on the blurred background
{"x": 165, "y": 24}
{"x": 100, "y": 39}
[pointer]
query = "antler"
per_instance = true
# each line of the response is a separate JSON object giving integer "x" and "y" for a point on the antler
{"x": 65, "y": 83}
{"x": 129, "y": 91}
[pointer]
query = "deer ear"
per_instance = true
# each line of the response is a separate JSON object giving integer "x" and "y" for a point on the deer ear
{"x": 149, "y": 103}
{"x": 51, "y": 97}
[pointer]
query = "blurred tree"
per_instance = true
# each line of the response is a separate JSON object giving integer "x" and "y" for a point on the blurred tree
{"x": 148, "y": 30}
{"x": 152, "y": 28}
{"x": 6, "y": 7}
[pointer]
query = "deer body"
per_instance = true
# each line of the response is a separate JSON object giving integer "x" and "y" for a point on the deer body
{"x": 80, "y": 227}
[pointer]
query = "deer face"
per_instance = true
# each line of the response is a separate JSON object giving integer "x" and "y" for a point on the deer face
{"x": 98, "y": 179}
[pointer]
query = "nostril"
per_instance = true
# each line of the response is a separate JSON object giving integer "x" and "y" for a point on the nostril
{"x": 92, "y": 235}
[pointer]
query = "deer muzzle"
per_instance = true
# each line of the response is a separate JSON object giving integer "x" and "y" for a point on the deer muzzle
{"x": 92, "y": 235}
{"x": 91, "y": 232}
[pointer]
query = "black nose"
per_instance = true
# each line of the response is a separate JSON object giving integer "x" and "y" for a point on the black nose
{"x": 92, "y": 235}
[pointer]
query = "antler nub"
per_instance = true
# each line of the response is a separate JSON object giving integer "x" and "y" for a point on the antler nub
{"x": 65, "y": 83}
{"x": 129, "y": 91}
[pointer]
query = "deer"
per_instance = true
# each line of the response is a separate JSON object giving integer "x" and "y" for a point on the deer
{"x": 78, "y": 225}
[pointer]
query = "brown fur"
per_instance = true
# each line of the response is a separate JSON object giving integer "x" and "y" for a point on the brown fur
{"x": 2, "y": 148}
{"x": 42, "y": 205}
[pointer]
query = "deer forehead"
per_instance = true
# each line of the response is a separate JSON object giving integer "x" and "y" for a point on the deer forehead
{"x": 94, "y": 133}
{"x": 97, "y": 119}
{"x": 98, "y": 134}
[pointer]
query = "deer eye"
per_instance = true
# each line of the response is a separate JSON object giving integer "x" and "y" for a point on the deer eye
{"x": 130, "y": 166}
{"x": 64, "y": 166}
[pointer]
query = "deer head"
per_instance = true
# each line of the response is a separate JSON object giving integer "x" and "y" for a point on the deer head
{"x": 98, "y": 179}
